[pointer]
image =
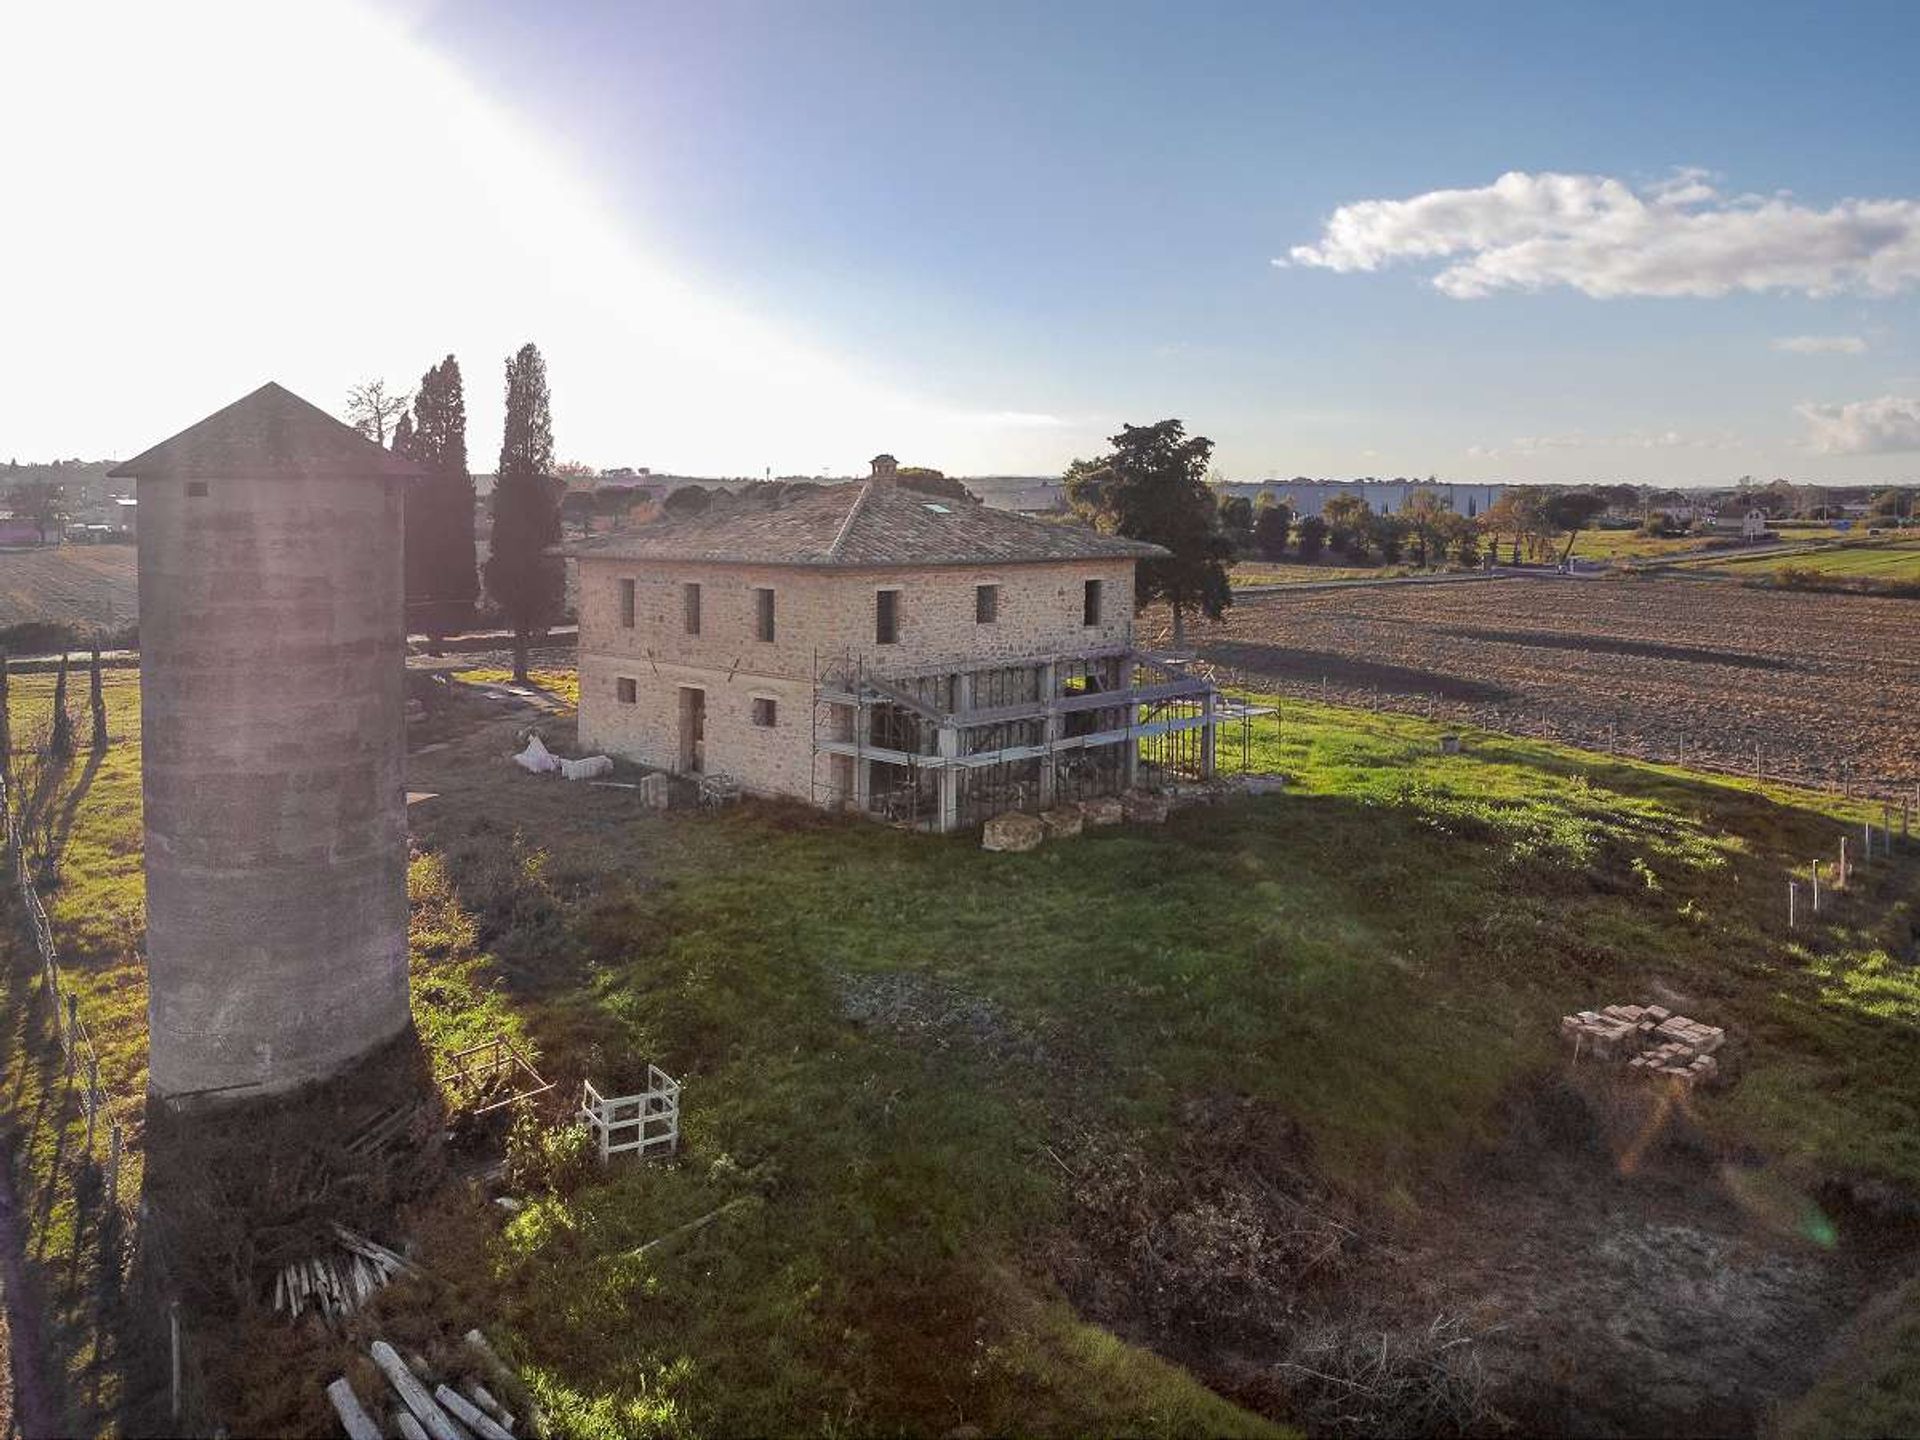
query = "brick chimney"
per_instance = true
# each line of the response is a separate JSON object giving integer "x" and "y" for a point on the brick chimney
{"x": 885, "y": 470}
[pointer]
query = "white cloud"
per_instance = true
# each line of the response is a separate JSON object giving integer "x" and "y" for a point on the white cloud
{"x": 1600, "y": 236}
{"x": 1864, "y": 427}
{"x": 1821, "y": 345}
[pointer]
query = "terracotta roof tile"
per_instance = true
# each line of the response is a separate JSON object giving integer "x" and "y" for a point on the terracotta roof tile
{"x": 269, "y": 434}
{"x": 863, "y": 525}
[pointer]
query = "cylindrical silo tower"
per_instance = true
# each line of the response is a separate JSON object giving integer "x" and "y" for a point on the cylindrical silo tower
{"x": 272, "y": 695}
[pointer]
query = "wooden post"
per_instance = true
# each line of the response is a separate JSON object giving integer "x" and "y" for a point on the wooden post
{"x": 1207, "y": 728}
{"x": 1130, "y": 754}
{"x": 1049, "y": 732}
{"x": 1840, "y": 877}
{"x": 948, "y": 780}
{"x": 1793, "y": 898}
{"x": 173, "y": 1337}
{"x": 113, "y": 1164}
{"x": 1816, "y": 887}
{"x": 73, "y": 1023}
{"x": 93, "y": 1097}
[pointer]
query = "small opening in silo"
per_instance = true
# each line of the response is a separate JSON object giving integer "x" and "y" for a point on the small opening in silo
{"x": 196, "y": 488}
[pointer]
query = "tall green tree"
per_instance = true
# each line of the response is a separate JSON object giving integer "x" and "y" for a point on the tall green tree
{"x": 442, "y": 574}
{"x": 1153, "y": 486}
{"x": 1271, "y": 522}
{"x": 526, "y": 583}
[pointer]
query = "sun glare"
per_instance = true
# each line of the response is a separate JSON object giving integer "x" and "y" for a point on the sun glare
{"x": 237, "y": 192}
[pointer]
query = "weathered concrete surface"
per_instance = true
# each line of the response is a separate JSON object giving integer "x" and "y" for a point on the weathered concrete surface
{"x": 272, "y": 695}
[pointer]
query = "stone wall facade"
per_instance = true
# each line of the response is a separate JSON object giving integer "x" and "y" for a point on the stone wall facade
{"x": 822, "y": 619}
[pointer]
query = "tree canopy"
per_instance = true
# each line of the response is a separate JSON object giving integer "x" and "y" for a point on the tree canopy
{"x": 1153, "y": 486}
{"x": 527, "y": 584}
{"x": 442, "y": 578}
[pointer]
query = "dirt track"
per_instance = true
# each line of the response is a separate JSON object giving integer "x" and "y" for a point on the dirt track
{"x": 1826, "y": 686}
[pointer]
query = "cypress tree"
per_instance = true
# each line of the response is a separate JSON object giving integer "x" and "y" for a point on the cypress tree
{"x": 442, "y": 575}
{"x": 97, "y": 699}
{"x": 60, "y": 741}
{"x": 527, "y": 584}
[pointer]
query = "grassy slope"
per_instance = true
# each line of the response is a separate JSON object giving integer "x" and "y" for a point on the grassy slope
{"x": 1381, "y": 952}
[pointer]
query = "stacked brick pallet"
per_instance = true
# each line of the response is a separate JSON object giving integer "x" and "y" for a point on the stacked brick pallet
{"x": 1649, "y": 1039}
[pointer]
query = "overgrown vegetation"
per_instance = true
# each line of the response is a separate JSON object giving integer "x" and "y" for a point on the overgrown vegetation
{"x": 903, "y": 1055}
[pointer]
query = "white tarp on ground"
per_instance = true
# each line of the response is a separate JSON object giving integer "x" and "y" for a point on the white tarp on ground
{"x": 587, "y": 768}
{"x": 536, "y": 757}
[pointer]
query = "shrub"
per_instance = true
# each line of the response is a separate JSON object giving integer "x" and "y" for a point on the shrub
{"x": 555, "y": 1158}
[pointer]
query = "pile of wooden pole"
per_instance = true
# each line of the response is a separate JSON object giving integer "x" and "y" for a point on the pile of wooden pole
{"x": 340, "y": 1282}
{"x": 430, "y": 1409}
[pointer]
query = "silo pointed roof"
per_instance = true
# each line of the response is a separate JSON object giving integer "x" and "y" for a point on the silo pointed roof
{"x": 269, "y": 434}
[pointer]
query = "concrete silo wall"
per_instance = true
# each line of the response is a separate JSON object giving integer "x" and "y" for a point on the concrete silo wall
{"x": 272, "y": 694}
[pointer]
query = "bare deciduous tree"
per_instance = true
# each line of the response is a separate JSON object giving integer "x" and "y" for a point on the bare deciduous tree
{"x": 372, "y": 408}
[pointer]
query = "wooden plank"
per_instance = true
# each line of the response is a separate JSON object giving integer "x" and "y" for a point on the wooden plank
{"x": 353, "y": 1418}
{"x": 470, "y": 1415}
{"x": 413, "y": 1394}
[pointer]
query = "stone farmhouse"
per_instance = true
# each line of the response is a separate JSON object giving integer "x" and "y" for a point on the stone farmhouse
{"x": 929, "y": 661}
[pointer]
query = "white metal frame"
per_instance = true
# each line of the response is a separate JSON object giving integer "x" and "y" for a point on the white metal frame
{"x": 648, "y": 1122}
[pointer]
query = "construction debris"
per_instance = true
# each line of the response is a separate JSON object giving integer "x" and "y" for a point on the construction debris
{"x": 337, "y": 1284}
{"x": 590, "y": 767}
{"x": 1063, "y": 822}
{"x": 1647, "y": 1040}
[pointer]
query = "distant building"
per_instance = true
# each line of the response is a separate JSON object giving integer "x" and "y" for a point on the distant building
{"x": 1384, "y": 497}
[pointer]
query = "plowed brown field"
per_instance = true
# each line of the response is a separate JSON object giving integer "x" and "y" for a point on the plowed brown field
{"x": 1818, "y": 687}
{"x": 80, "y": 585}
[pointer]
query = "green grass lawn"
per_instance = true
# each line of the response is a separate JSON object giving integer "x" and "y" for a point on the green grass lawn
{"x": 1896, "y": 561}
{"x": 1379, "y": 954}
{"x": 1294, "y": 572}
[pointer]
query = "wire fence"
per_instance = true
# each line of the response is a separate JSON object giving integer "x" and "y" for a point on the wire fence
{"x": 98, "y": 1159}
{"x": 1778, "y": 763}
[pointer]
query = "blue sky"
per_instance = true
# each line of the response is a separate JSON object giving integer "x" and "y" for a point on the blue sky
{"x": 1003, "y": 230}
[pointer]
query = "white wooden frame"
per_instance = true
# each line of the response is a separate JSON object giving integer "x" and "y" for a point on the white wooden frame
{"x": 648, "y": 1122}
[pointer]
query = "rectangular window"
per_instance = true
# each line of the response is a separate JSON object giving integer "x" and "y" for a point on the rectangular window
{"x": 764, "y": 712}
{"x": 986, "y": 604}
{"x": 690, "y": 607}
{"x": 886, "y": 617}
{"x": 626, "y": 604}
{"x": 763, "y": 614}
{"x": 1090, "y": 605}
{"x": 626, "y": 690}
{"x": 196, "y": 488}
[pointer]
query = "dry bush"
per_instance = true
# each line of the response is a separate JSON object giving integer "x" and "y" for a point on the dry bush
{"x": 1340, "y": 1381}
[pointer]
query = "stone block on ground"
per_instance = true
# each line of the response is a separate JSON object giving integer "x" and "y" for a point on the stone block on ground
{"x": 1252, "y": 784}
{"x": 1106, "y": 810}
{"x": 1013, "y": 832}
{"x": 1144, "y": 809}
{"x": 1062, "y": 822}
{"x": 656, "y": 791}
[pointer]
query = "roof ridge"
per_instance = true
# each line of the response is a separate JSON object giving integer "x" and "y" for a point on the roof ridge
{"x": 846, "y": 525}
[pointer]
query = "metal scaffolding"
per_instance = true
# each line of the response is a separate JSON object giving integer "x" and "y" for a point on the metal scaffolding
{"x": 946, "y": 747}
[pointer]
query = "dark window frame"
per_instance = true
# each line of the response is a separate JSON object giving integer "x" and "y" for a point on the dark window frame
{"x": 886, "y": 616}
{"x": 986, "y": 604}
{"x": 765, "y": 615}
{"x": 626, "y": 690}
{"x": 690, "y": 607}
{"x": 1092, "y": 601}
{"x": 765, "y": 712}
{"x": 629, "y": 603}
